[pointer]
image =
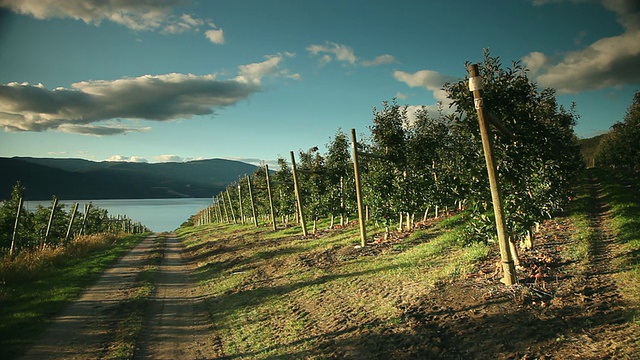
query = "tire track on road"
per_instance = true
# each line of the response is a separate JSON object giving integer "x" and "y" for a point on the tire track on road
{"x": 83, "y": 328}
{"x": 178, "y": 324}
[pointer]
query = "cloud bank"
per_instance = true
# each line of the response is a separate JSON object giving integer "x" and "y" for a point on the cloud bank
{"x": 605, "y": 63}
{"x": 26, "y": 107}
{"x": 135, "y": 15}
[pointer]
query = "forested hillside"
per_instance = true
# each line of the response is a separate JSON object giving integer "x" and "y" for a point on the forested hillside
{"x": 82, "y": 179}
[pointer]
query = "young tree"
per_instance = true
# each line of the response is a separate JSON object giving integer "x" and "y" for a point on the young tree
{"x": 341, "y": 185}
{"x": 284, "y": 197}
{"x": 537, "y": 163}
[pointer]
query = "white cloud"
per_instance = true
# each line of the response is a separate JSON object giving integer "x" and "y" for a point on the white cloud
{"x": 25, "y": 107}
{"x": 216, "y": 36}
{"x": 428, "y": 79}
{"x": 535, "y": 61}
{"x": 604, "y": 63}
{"x": 135, "y": 15}
{"x": 120, "y": 158}
{"x": 168, "y": 158}
{"x": 331, "y": 51}
{"x": 380, "y": 60}
{"x": 253, "y": 73}
{"x": 401, "y": 96}
{"x": 340, "y": 52}
{"x": 79, "y": 109}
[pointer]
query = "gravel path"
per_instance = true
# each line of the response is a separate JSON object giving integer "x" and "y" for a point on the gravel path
{"x": 81, "y": 331}
{"x": 176, "y": 325}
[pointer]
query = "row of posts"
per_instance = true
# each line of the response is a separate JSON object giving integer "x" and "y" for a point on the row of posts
{"x": 475, "y": 86}
{"x": 126, "y": 225}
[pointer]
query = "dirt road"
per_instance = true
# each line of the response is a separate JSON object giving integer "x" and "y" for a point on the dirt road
{"x": 175, "y": 322}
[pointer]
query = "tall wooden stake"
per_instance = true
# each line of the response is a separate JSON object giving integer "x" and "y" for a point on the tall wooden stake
{"x": 273, "y": 213}
{"x": 253, "y": 204}
{"x": 15, "y": 228}
{"x": 475, "y": 85}
{"x": 240, "y": 202}
{"x": 87, "y": 207}
{"x": 224, "y": 206}
{"x": 73, "y": 216}
{"x": 356, "y": 171}
{"x": 296, "y": 188}
{"x": 233, "y": 213}
{"x": 53, "y": 212}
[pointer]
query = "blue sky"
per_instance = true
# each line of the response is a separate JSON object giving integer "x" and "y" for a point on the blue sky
{"x": 177, "y": 80}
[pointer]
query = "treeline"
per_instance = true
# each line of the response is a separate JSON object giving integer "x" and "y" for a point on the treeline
{"x": 53, "y": 225}
{"x": 422, "y": 163}
{"x": 620, "y": 147}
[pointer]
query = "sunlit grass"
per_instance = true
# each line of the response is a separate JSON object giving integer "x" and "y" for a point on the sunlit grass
{"x": 246, "y": 306}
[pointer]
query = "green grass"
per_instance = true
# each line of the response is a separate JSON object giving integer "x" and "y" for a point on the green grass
{"x": 622, "y": 220}
{"x": 261, "y": 316}
{"x": 622, "y": 194}
{"x": 27, "y": 303}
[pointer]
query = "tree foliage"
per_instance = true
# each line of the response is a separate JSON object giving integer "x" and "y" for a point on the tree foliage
{"x": 620, "y": 147}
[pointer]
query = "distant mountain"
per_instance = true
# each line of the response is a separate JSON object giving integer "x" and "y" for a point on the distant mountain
{"x": 79, "y": 179}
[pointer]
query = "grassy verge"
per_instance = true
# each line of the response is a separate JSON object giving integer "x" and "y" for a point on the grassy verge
{"x": 622, "y": 194}
{"x": 37, "y": 286}
{"x": 622, "y": 220}
{"x": 275, "y": 294}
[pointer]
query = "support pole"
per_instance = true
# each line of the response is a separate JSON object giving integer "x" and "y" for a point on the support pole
{"x": 73, "y": 216}
{"x": 224, "y": 206}
{"x": 53, "y": 212}
{"x": 273, "y": 215}
{"x": 253, "y": 204}
{"x": 233, "y": 213}
{"x": 356, "y": 171}
{"x": 87, "y": 207}
{"x": 15, "y": 228}
{"x": 296, "y": 188}
{"x": 475, "y": 85}
{"x": 240, "y": 202}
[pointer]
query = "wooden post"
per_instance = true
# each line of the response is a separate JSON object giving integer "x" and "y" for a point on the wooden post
{"x": 240, "y": 202}
{"x": 53, "y": 211}
{"x": 73, "y": 216}
{"x": 296, "y": 188}
{"x": 87, "y": 207}
{"x": 233, "y": 213}
{"x": 475, "y": 85}
{"x": 273, "y": 213}
{"x": 224, "y": 206}
{"x": 15, "y": 228}
{"x": 356, "y": 171}
{"x": 253, "y": 204}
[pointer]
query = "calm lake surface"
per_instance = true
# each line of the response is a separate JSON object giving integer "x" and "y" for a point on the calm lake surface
{"x": 157, "y": 214}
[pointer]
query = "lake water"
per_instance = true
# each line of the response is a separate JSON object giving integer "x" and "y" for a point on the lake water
{"x": 157, "y": 214}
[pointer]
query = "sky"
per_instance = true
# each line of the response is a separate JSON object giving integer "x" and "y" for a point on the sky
{"x": 251, "y": 80}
